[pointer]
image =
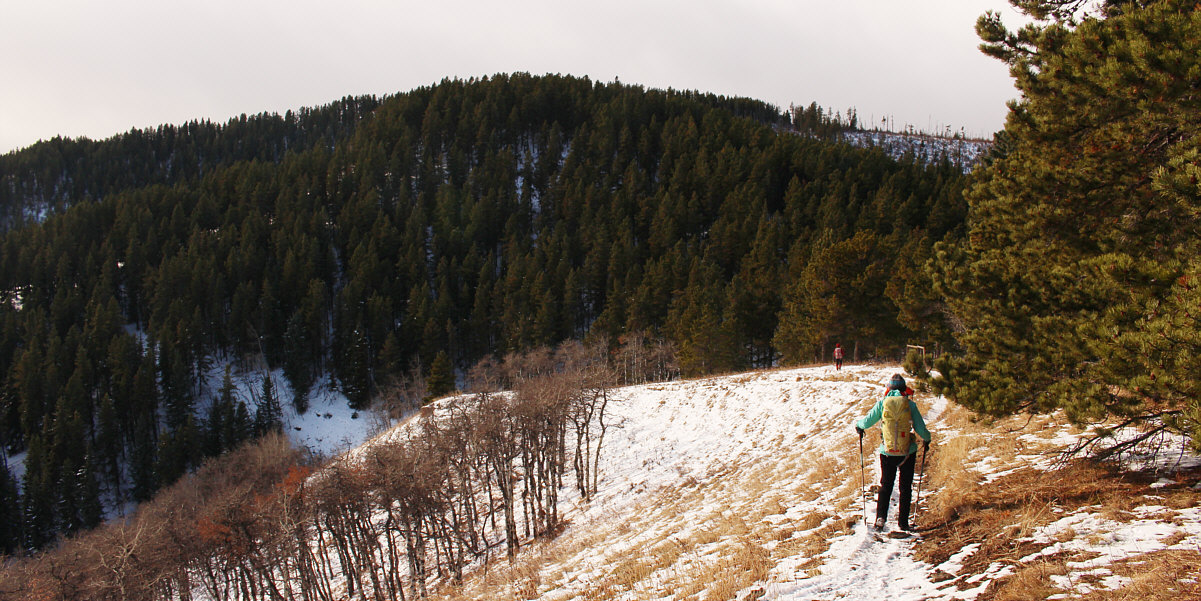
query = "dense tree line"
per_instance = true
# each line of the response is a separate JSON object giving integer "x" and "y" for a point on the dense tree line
{"x": 52, "y": 175}
{"x": 477, "y": 478}
{"x": 458, "y": 220}
{"x": 821, "y": 122}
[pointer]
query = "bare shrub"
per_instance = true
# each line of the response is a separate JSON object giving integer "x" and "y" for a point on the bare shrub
{"x": 399, "y": 396}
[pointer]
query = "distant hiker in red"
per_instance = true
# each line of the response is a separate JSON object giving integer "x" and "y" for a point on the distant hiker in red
{"x": 837, "y": 356}
{"x": 899, "y": 419}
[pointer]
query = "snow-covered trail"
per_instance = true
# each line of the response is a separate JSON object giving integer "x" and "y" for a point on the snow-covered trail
{"x": 862, "y": 568}
{"x": 772, "y": 453}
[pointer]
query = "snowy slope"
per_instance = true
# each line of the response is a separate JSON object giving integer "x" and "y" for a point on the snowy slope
{"x": 748, "y": 487}
{"x": 697, "y": 476}
{"x": 753, "y": 486}
{"x": 736, "y": 424}
{"x": 748, "y": 438}
{"x": 328, "y": 427}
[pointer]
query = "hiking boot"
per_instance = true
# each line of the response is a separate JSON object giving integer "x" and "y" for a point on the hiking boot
{"x": 903, "y": 526}
{"x": 879, "y": 524}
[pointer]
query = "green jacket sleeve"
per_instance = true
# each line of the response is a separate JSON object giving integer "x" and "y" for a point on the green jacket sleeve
{"x": 919, "y": 424}
{"x": 873, "y": 416}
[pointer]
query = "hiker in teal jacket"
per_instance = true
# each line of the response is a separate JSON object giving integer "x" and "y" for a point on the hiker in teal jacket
{"x": 902, "y": 459}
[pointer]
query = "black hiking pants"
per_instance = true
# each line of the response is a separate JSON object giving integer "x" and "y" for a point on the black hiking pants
{"x": 889, "y": 465}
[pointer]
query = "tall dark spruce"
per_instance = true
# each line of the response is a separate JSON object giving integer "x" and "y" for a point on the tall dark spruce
{"x": 1077, "y": 284}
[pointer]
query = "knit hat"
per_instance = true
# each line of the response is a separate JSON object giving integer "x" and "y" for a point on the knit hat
{"x": 896, "y": 383}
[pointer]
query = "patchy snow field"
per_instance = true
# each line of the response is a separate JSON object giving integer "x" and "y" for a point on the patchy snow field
{"x": 749, "y": 486}
{"x": 329, "y": 426}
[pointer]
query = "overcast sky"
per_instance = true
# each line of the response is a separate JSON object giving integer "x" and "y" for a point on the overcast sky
{"x": 95, "y": 68}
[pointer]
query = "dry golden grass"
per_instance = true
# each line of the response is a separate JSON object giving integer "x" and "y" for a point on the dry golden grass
{"x": 1033, "y": 517}
{"x": 1001, "y": 515}
{"x": 819, "y": 529}
{"x": 1032, "y": 581}
{"x": 527, "y": 580}
{"x": 724, "y": 548}
{"x": 539, "y": 563}
{"x": 1171, "y": 574}
{"x": 1065, "y": 535}
{"x": 630, "y": 572}
{"x": 729, "y": 551}
{"x": 773, "y": 505}
{"x": 845, "y": 376}
{"x": 957, "y": 486}
{"x": 737, "y": 566}
{"x": 1180, "y": 498}
{"x": 812, "y": 521}
{"x": 749, "y": 564}
{"x": 760, "y": 482}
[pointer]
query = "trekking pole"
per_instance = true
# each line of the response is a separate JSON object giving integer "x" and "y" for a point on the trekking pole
{"x": 920, "y": 475}
{"x": 862, "y": 481}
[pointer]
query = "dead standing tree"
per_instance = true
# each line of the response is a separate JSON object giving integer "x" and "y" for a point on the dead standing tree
{"x": 343, "y": 509}
{"x": 497, "y": 440}
{"x": 405, "y": 477}
{"x": 459, "y": 523}
{"x": 590, "y": 377}
{"x": 592, "y": 405}
{"x": 540, "y": 411}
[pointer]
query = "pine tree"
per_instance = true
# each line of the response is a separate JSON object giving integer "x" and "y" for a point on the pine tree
{"x": 90, "y": 510}
{"x": 29, "y": 387}
{"x": 355, "y": 371}
{"x": 143, "y": 423}
{"x": 1083, "y": 229}
{"x": 10, "y": 514}
{"x": 37, "y": 498}
{"x": 109, "y": 448}
{"x": 298, "y": 361}
{"x": 441, "y": 379}
{"x": 74, "y": 485}
{"x": 920, "y": 310}
{"x": 239, "y": 428}
{"x": 754, "y": 295}
{"x": 268, "y": 417}
{"x": 705, "y": 337}
{"x": 381, "y": 254}
{"x": 178, "y": 451}
{"x": 143, "y": 459}
{"x": 221, "y": 430}
{"x": 391, "y": 356}
{"x": 839, "y": 297}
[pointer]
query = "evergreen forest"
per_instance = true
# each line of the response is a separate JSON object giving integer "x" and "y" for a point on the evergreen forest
{"x": 427, "y": 231}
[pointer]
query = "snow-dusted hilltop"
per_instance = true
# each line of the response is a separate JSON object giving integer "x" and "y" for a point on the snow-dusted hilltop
{"x": 961, "y": 151}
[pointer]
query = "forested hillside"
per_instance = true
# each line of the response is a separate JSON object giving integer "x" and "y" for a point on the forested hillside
{"x": 370, "y": 238}
{"x": 52, "y": 175}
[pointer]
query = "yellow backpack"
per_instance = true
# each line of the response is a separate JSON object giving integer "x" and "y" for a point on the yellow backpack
{"x": 897, "y": 424}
